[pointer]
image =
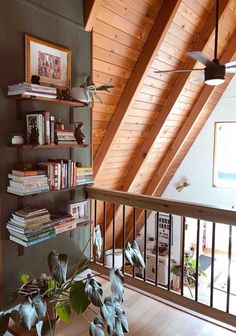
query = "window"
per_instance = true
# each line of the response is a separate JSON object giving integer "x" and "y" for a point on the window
{"x": 224, "y": 170}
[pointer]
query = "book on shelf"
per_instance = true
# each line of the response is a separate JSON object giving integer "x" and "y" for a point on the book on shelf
{"x": 25, "y": 179}
{"x": 32, "y": 120}
{"x": 30, "y": 238}
{"x": 33, "y": 90}
{"x": 28, "y": 172}
{"x": 32, "y": 242}
{"x": 27, "y": 186}
{"x": 31, "y": 211}
{"x": 41, "y": 219}
{"x": 52, "y": 130}
{"x": 29, "y": 231}
{"x": 65, "y": 136}
{"x": 60, "y": 228}
{"x": 25, "y": 193}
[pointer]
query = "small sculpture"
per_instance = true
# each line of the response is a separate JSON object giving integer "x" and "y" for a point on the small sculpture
{"x": 35, "y": 79}
{"x": 34, "y": 136}
{"x": 78, "y": 132}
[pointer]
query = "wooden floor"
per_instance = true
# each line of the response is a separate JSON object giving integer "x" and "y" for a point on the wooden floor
{"x": 148, "y": 317}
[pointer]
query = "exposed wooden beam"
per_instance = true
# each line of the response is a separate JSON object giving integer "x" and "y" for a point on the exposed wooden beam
{"x": 90, "y": 11}
{"x": 199, "y": 45}
{"x": 182, "y": 136}
{"x": 154, "y": 40}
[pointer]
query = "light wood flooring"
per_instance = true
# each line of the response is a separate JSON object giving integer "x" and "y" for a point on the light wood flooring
{"x": 148, "y": 317}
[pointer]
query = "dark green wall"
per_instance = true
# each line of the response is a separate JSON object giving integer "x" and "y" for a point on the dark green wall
{"x": 61, "y": 22}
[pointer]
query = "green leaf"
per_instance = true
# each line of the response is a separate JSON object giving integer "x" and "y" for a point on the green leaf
{"x": 96, "y": 328}
{"x": 40, "y": 306}
{"x": 28, "y": 314}
{"x": 15, "y": 316}
{"x": 117, "y": 283}
{"x": 93, "y": 289}
{"x": 51, "y": 284}
{"x": 123, "y": 319}
{"x": 78, "y": 298}
{"x": 108, "y": 313}
{"x": 118, "y": 327}
{"x": 25, "y": 278}
{"x": 133, "y": 255}
{"x": 39, "y": 327}
{"x": 63, "y": 311}
{"x": 4, "y": 320}
{"x": 97, "y": 241}
{"x": 58, "y": 266}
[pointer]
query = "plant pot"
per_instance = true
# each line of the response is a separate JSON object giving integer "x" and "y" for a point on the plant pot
{"x": 80, "y": 94}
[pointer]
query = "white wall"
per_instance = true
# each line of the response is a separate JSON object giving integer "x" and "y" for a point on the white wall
{"x": 197, "y": 166}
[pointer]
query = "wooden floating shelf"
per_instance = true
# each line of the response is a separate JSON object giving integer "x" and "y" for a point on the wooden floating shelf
{"x": 51, "y": 146}
{"x": 50, "y": 191}
{"x": 69, "y": 103}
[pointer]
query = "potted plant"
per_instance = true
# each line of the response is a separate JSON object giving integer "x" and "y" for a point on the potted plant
{"x": 88, "y": 91}
{"x": 48, "y": 298}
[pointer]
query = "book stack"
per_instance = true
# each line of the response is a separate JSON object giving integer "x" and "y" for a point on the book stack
{"x": 27, "y": 182}
{"x": 84, "y": 175}
{"x": 63, "y": 222}
{"x": 63, "y": 137}
{"x": 63, "y": 174}
{"x": 32, "y": 90}
{"x": 45, "y": 125}
{"x": 30, "y": 225}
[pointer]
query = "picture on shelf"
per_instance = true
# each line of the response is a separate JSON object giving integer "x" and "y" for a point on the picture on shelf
{"x": 49, "y": 61}
{"x": 79, "y": 210}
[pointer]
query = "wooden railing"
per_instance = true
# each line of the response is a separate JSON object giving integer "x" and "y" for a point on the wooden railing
{"x": 181, "y": 246}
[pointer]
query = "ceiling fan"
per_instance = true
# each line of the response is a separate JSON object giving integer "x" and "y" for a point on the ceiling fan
{"x": 214, "y": 72}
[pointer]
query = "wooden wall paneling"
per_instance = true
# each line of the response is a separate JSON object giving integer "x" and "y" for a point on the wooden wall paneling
{"x": 154, "y": 40}
{"x": 204, "y": 35}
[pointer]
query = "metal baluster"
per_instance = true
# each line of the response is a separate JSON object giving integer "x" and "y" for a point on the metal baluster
{"x": 157, "y": 246}
{"x": 145, "y": 241}
{"x": 134, "y": 231}
{"x": 182, "y": 261}
{"x": 104, "y": 231}
{"x": 124, "y": 229}
{"x": 212, "y": 262}
{"x": 229, "y": 267}
{"x": 95, "y": 213}
{"x": 169, "y": 251}
{"x": 197, "y": 259}
{"x": 113, "y": 233}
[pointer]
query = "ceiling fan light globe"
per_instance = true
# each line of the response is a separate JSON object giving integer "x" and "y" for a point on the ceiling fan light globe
{"x": 214, "y": 81}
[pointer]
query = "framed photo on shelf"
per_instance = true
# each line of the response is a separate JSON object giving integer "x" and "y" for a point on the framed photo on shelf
{"x": 49, "y": 61}
{"x": 79, "y": 210}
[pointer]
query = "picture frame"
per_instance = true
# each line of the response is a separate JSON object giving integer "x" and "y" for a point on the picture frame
{"x": 50, "y": 61}
{"x": 80, "y": 211}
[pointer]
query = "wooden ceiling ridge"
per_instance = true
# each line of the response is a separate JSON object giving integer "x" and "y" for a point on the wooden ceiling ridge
{"x": 203, "y": 37}
{"x": 91, "y": 8}
{"x": 152, "y": 44}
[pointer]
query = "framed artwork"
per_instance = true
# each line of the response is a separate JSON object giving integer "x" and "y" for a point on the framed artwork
{"x": 224, "y": 167}
{"x": 49, "y": 61}
{"x": 79, "y": 210}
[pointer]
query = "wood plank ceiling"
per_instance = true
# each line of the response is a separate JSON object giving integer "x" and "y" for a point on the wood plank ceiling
{"x": 152, "y": 119}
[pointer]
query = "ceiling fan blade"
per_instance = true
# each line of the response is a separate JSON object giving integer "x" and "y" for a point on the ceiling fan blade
{"x": 198, "y": 56}
{"x": 200, "y": 78}
{"x": 231, "y": 70}
{"x": 230, "y": 64}
{"x": 177, "y": 70}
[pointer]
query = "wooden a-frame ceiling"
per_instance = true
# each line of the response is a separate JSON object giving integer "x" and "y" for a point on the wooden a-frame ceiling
{"x": 152, "y": 119}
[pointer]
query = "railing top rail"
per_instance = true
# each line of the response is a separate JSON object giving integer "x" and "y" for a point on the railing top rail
{"x": 186, "y": 209}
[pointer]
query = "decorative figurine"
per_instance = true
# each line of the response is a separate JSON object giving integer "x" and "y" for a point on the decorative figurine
{"x": 35, "y": 79}
{"x": 78, "y": 132}
{"x": 34, "y": 136}
{"x": 59, "y": 126}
